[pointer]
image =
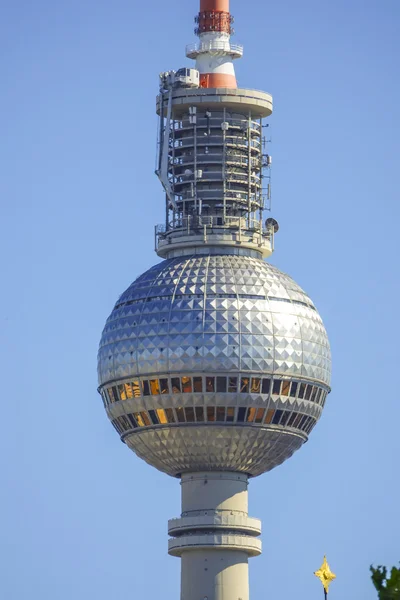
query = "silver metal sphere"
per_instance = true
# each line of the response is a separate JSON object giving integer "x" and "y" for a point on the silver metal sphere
{"x": 214, "y": 362}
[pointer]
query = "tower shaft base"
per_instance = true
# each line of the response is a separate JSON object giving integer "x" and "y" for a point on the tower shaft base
{"x": 214, "y": 536}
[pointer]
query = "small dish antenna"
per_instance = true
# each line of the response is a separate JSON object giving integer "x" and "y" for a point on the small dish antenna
{"x": 272, "y": 224}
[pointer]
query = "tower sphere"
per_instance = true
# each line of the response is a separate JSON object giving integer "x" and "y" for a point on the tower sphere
{"x": 214, "y": 361}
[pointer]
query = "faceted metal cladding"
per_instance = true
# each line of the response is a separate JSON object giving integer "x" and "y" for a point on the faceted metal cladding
{"x": 215, "y": 314}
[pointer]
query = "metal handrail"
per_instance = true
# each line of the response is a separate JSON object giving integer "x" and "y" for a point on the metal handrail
{"x": 213, "y": 46}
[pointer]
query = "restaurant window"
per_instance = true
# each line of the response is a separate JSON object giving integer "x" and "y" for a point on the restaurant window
{"x": 269, "y": 416}
{"x": 303, "y": 422}
{"x": 297, "y": 420}
{"x": 323, "y": 398}
{"x": 187, "y": 385}
{"x": 154, "y": 387}
{"x": 189, "y": 414}
{"x": 126, "y": 424}
{"x": 170, "y": 415}
{"x": 293, "y": 389}
{"x": 139, "y": 419}
{"x": 230, "y": 414}
{"x": 115, "y": 393}
{"x": 136, "y": 388}
{"x": 210, "y": 384}
{"x": 285, "y": 388}
{"x": 211, "y": 413}
{"x": 260, "y": 415}
{"x": 220, "y": 414}
{"x": 164, "y": 387}
{"x": 277, "y": 417}
{"x": 122, "y": 394}
{"x": 162, "y": 417}
{"x": 198, "y": 384}
{"x": 176, "y": 385}
{"x": 285, "y": 417}
{"x": 255, "y": 385}
{"x": 232, "y": 384}
{"x": 318, "y": 396}
{"x": 244, "y": 385}
{"x": 132, "y": 421}
{"x": 302, "y": 390}
{"x": 241, "y": 414}
{"x": 145, "y": 417}
{"x": 266, "y": 385}
{"x": 276, "y": 388}
{"x": 308, "y": 391}
{"x": 221, "y": 384}
{"x": 153, "y": 417}
{"x": 146, "y": 387}
{"x": 199, "y": 411}
{"x": 314, "y": 393}
{"x": 251, "y": 413}
{"x": 180, "y": 413}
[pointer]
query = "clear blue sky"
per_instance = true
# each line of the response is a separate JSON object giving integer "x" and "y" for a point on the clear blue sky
{"x": 81, "y": 516}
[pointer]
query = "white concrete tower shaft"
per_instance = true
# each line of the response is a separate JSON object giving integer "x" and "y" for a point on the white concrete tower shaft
{"x": 214, "y": 536}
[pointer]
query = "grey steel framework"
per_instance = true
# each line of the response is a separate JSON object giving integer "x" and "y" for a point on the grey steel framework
{"x": 214, "y": 366}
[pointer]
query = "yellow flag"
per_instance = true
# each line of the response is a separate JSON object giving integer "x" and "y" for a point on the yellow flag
{"x": 325, "y": 574}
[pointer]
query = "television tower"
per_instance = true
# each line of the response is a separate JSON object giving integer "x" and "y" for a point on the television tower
{"x": 214, "y": 366}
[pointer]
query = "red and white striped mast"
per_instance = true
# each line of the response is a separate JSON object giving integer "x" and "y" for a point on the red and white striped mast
{"x": 214, "y": 52}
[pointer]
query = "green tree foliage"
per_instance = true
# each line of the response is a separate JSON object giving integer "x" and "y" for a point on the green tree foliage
{"x": 388, "y": 587}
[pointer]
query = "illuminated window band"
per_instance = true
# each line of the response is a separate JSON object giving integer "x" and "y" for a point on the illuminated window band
{"x": 214, "y": 384}
{"x": 214, "y": 414}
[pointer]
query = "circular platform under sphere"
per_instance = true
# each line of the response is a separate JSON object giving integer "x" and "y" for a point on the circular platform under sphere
{"x": 216, "y": 362}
